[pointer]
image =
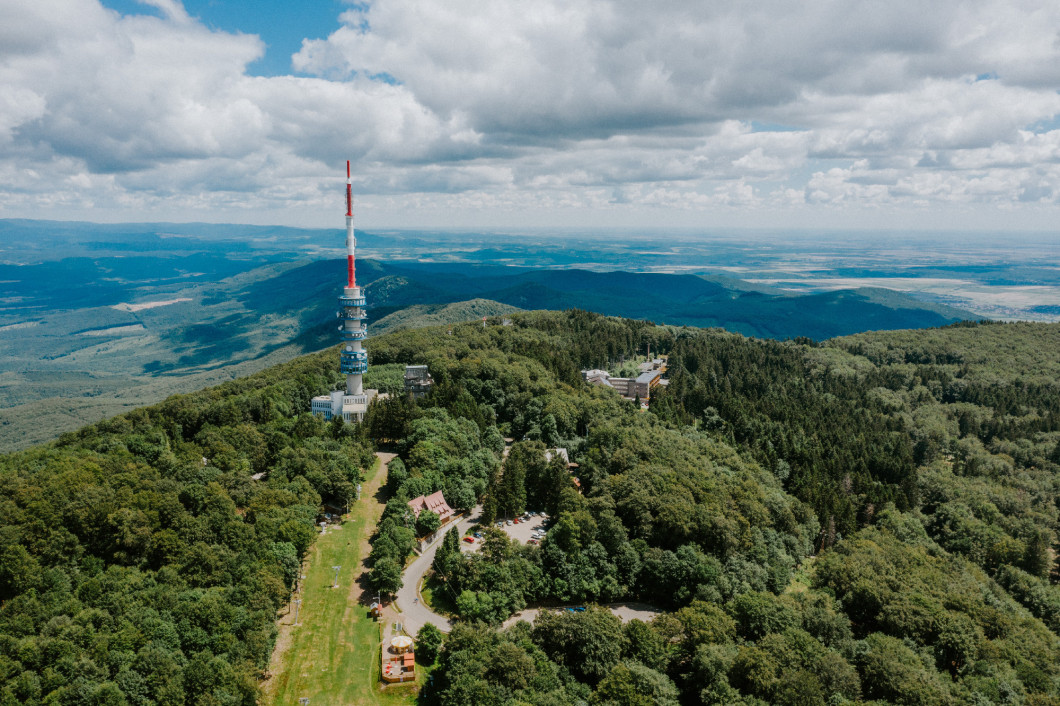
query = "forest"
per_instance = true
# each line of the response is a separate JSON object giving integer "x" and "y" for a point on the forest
{"x": 872, "y": 518}
{"x": 869, "y": 519}
{"x": 140, "y": 562}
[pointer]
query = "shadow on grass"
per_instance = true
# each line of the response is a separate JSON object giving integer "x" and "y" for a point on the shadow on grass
{"x": 368, "y": 595}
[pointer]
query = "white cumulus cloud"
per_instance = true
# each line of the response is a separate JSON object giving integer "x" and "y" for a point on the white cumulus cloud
{"x": 476, "y": 108}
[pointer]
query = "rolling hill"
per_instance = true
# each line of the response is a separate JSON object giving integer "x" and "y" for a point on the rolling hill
{"x": 86, "y": 338}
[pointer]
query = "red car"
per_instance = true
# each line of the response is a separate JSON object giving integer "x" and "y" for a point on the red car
{"x": 515, "y": 521}
{"x": 469, "y": 540}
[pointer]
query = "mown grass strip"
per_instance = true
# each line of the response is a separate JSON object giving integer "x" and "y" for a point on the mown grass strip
{"x": 333, "y": 656}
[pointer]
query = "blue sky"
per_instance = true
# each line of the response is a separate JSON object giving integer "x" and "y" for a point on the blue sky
{"x": 469, "y": 113}
{"x": 281, "y": 25}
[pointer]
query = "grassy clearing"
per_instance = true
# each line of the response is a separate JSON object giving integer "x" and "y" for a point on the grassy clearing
{"x": 437, "y": 596}
{"x": 802, "y": 579}
{"x": 333, "y": 656}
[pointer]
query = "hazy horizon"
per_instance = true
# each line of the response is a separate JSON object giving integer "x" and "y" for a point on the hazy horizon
{"x": 990, "y": 274}
{"x": 1050, "y": 234}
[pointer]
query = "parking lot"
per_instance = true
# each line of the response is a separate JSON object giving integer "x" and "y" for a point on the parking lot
{"x": 521, "y": 532}
{"x": 624, "y": 611}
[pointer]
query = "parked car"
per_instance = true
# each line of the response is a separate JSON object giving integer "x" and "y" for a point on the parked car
{"x": 469, "y": 540}
{"x": 515, "y": 521}
{"x": 532, "y": 541}
{"x": 478, "y": 535}
{"x": 509, "y": 523}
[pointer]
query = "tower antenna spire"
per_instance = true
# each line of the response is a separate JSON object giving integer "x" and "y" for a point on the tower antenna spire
{"x": 351, "y": 241}
{"x": 349, "y": 192}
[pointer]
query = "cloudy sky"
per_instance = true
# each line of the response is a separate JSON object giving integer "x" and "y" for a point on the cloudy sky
{"x": 849, "y": 114}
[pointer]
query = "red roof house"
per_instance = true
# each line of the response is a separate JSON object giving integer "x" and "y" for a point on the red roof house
{"x": 435, "y": 502}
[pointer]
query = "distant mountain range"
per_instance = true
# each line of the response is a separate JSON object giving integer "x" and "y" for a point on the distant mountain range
{"x": 308, "y": 292}
{"x": 86, "y": 337}
{"x": 692, "y": 300}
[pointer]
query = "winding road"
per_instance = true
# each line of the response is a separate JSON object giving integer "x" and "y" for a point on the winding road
{"x": 414, "y": 614}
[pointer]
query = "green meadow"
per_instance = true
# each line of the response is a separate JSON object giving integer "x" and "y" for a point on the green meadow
{"x": 332, "y": 657}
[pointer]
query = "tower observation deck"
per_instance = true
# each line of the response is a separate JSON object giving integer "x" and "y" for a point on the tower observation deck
{"x": 352, "y": 314}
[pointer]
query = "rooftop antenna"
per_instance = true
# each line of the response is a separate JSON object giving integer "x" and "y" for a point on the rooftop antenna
{"x": 350, "y": 278}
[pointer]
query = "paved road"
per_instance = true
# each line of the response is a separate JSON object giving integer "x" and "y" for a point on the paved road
{"x": 625, "y": 612}
{"x": 414, "y": 614}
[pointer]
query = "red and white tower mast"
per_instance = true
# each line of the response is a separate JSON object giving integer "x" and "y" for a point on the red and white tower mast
{"x": 353, "y": 359}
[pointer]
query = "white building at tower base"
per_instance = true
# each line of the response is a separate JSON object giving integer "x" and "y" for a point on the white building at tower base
{"x": 351, "y": 407}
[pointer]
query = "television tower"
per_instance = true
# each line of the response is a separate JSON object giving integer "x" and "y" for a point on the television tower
{"x": 351, "y": 404}
{"x": 353, "y": 359}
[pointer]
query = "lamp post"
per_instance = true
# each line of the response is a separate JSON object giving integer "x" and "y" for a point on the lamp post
{"x": 336, "y": 583}
{"x": 297, "y": 605}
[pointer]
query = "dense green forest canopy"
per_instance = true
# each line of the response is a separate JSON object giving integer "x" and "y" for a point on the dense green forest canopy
{"x": 922, "y": 468}
{"x": 872, "y": 519}
{"x": 140, "y": 562}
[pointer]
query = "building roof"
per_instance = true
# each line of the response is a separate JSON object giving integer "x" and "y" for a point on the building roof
{"x": 648, "y": 376}
{"x": 552, "y": 453}
{"x": 435, "y": 502}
